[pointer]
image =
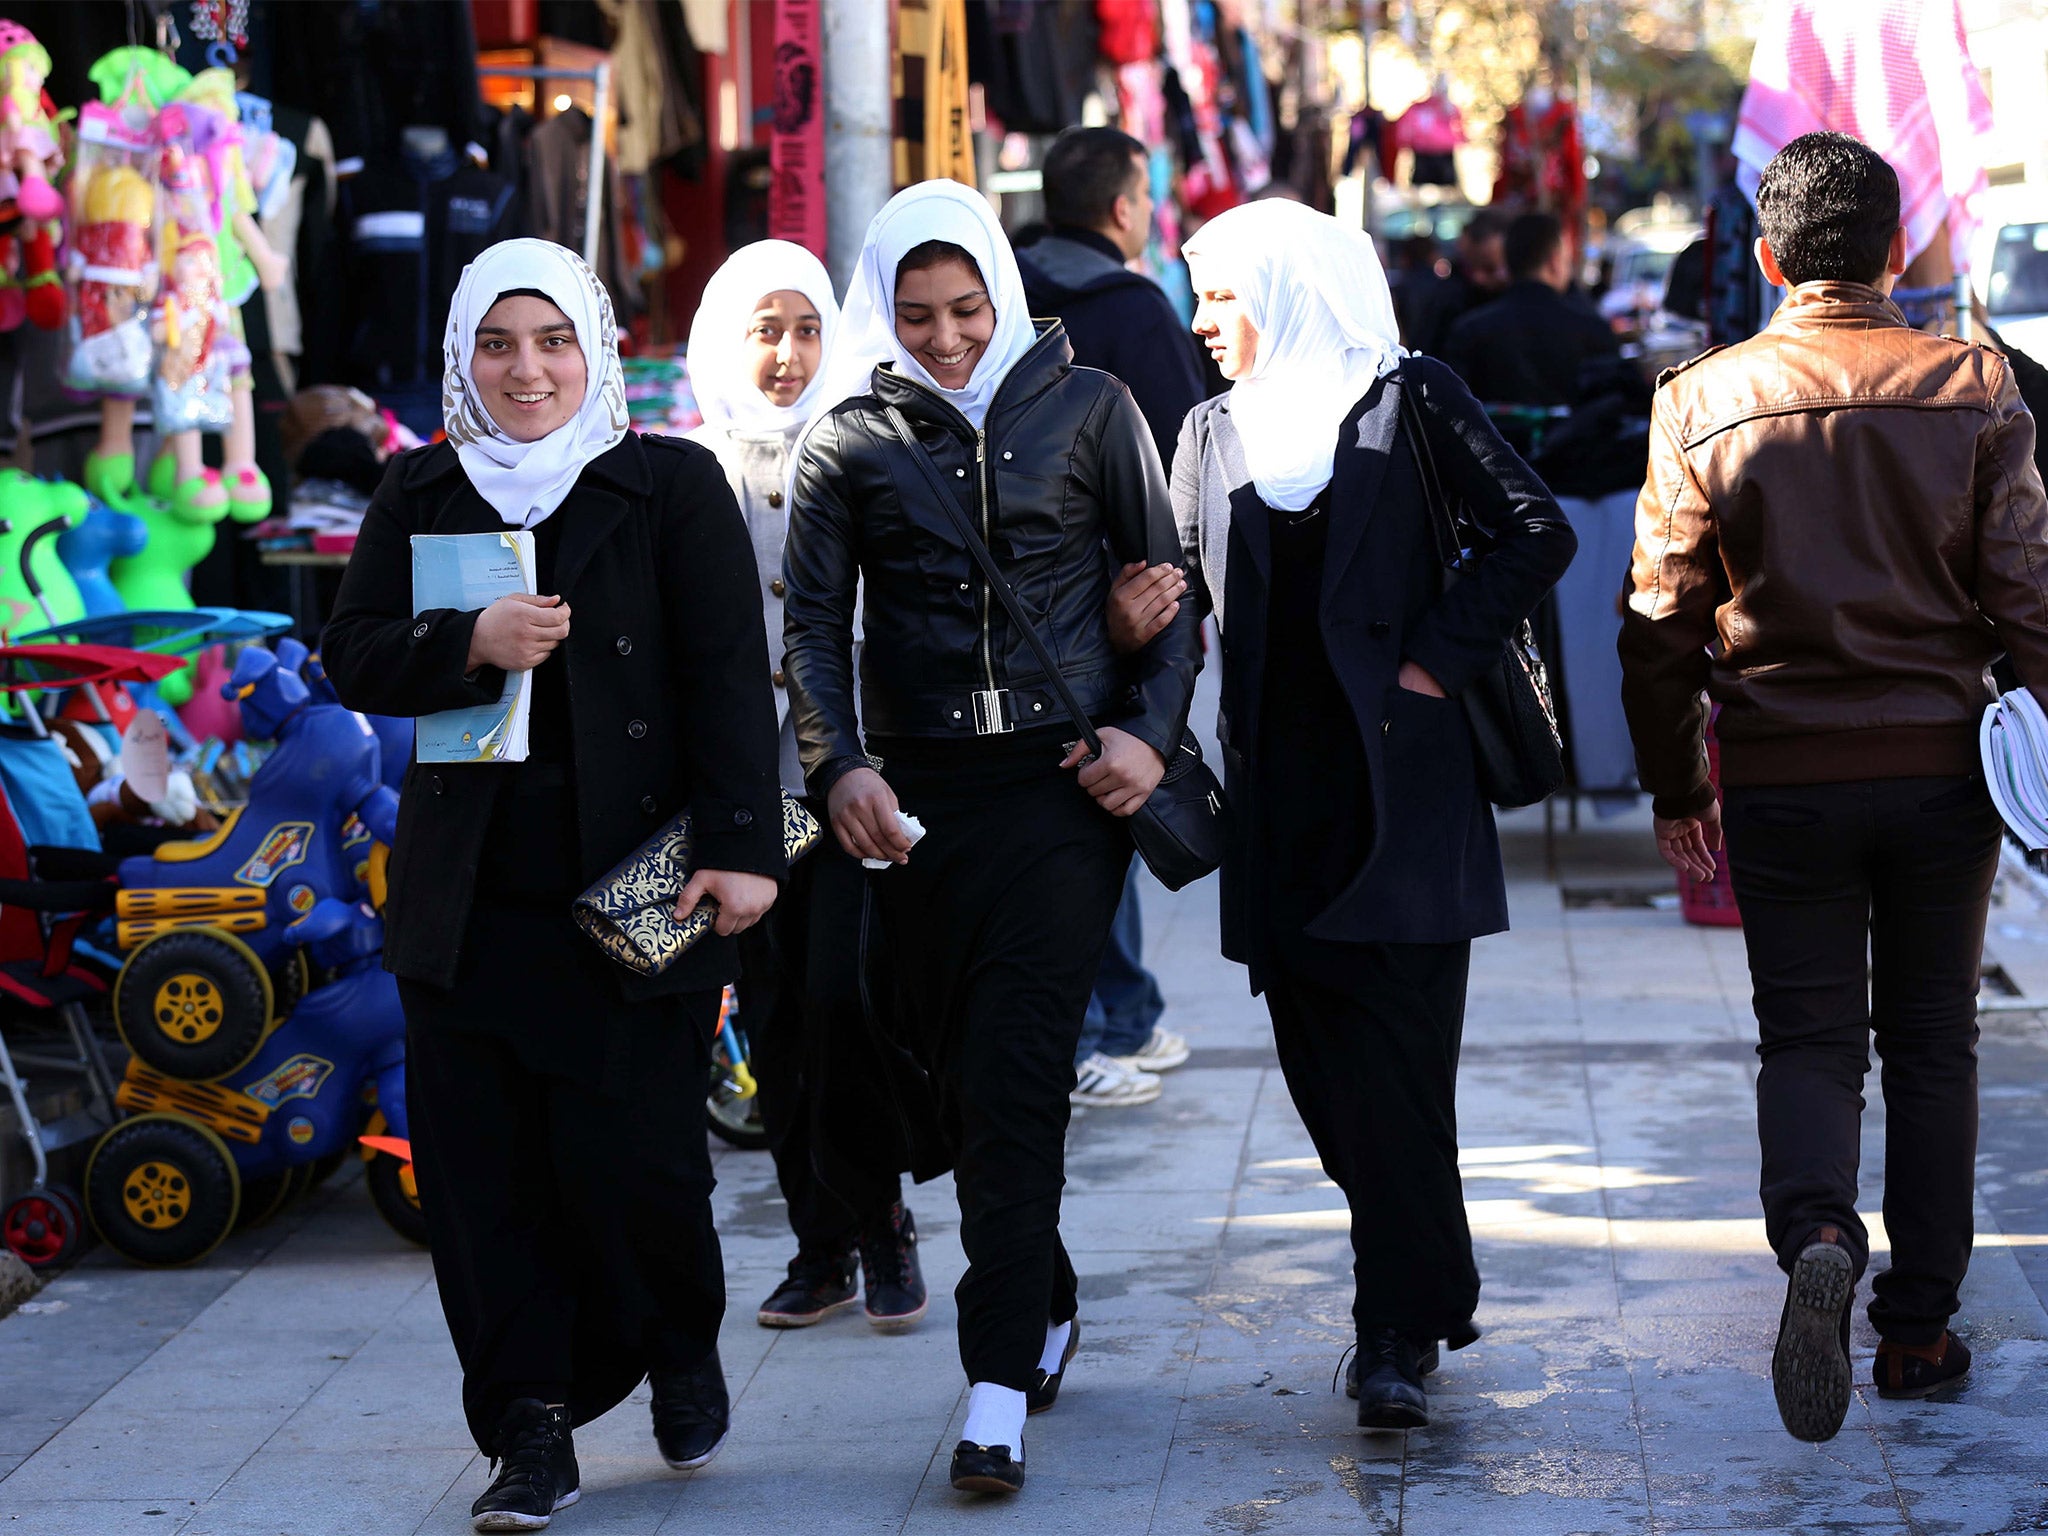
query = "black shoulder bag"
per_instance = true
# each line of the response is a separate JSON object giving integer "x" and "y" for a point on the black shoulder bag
{"x": 1179, "y": 829}
{"x": 1516, "y": 749}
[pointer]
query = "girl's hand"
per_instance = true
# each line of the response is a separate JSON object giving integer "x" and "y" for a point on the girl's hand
{"x": 518, "y": 632}
{"x": 862, "y": 807}
{"x": 1143, "y": 600}
{"x": 742, "y": 899}
{"x": 1123, "y": 777}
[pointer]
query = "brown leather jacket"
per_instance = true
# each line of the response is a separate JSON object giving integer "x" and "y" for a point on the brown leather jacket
{"x": 1848, "y": 510}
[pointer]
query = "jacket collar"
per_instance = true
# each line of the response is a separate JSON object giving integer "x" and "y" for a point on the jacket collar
{"x": 1050, "y": 356}
{"x": 623, "y": 466}
{"x": 1833, "y": 303}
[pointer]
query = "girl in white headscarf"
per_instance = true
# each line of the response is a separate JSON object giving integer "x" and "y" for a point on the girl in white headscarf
{"x": 1365, "y": 859}
{"x": 759, "y": 346}
{"x": 555, "y": 1106}
{"x": 945, "y": 410}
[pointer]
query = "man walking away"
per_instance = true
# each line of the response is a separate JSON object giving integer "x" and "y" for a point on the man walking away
{"x": 1098, "y": 201}
{"x": 1533, "y": 344}
{"x": 1479, "y": 272}
{"x": 1849, "y": 511}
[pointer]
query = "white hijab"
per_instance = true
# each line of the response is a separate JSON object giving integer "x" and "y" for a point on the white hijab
{"x": 1315, "y": 290}
{"x": 525, "y": 482}
{"x": 726, "y": 393}
{"x": 931, "y": 210}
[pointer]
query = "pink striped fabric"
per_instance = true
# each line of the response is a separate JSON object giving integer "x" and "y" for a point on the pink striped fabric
{"x": 1894, "y": 73}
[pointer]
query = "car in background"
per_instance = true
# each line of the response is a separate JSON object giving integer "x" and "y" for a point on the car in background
{"x": 2012, "y": 279}
{"x": 1638, "y": 257}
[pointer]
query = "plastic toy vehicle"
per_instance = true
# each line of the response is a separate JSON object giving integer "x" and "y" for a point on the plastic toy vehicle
{"x": 211, "y": 966}
{"x": 167, "y": 1184}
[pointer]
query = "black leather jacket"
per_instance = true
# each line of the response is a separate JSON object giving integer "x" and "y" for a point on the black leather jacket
{"x": 1064, "y": 465}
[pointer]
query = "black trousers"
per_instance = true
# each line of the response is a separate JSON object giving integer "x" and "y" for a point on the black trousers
{"x": 998, "y": 924}
{"x": 1372, "y": 1067}
{"x": 831, "y": 1124}
{"x": 1863, "y": 906}
{"x": 570, "y": 1223}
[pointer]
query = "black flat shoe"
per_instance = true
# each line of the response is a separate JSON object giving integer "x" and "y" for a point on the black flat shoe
{"x": 1915, "y": 1370}
{"x": 691, "y": 1414}
{"x": 1426, "y": 1364}
{"x": 1045, "y": 1392}
{"x": 1390, "y": 1394}
{"x": 1810, "y": 1373}
{"x": 986, "y": 1469}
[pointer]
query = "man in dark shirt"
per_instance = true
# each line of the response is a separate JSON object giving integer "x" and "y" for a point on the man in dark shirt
{"x": 1098, "y": 200}
{"x": 1434, "y": 304}
{"x": 1532, "y": 345}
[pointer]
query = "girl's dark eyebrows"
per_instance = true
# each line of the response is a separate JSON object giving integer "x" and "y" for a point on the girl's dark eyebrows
{"x": 551, "y": 328}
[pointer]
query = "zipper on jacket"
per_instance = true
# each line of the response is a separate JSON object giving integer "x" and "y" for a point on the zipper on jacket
{"x": 988, "y": 664}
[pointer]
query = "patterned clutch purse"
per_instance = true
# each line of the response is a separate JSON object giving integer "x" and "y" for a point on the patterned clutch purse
{"x": 631, "y": 912}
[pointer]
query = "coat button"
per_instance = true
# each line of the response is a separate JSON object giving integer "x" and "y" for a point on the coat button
{"x": 439, "y": 787}
{"x": 775, "y": 498}
{"x": 1378, "y": 627}
{"x": 647, "y": 804}
{"x": 959, "y": 474}
{"x": 625, "y": 645}
{"x": 743, "y": 817}
{"x": 1006, "y": 455}
{"x": 778, "y": 677}
{"x": 419, "y": 631}
{"x": 776, "y": 587}
{"x": 964, "y": 587}
{"x": 636, "y": 728}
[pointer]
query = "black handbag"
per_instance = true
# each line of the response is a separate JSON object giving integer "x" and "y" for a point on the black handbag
{"x": 1517, "y": 751}
{"x": 1179, "y": 829}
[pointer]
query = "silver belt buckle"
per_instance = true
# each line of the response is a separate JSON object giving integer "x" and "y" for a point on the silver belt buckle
{"x": 992, "y": 712}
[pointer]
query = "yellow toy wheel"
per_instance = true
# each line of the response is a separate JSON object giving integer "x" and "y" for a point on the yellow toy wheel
{"x": 162, "y": 1189}
{"x": 194, "y": 1003}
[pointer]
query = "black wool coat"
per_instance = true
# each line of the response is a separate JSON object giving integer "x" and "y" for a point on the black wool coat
{"x": 669, "y": 706}
{"x": 1431, "y": 872}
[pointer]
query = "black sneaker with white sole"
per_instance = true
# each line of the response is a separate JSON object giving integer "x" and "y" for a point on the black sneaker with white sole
{"x": 534, "y": 1459}
{"x": 1810, "y": 1367}
{"x": 890, "y": 1273}
{"x": 691, "y": 1414}
{"x": 817, "y": 1285}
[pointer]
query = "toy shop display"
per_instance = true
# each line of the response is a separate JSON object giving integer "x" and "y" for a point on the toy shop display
{"x": 30, "y": 159}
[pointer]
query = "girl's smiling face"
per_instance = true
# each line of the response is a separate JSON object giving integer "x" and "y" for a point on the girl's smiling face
{"x": 529, "y": 367}
{"x": 785, "y": 339}
{"x": 944, "y": 319}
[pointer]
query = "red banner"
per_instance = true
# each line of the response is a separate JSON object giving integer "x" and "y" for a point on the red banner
{"x": 796, "y": 149}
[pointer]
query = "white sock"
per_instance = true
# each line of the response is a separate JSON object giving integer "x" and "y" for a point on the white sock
{"x": 995, "y": 1416}
{"x": 1056, "y": 1336}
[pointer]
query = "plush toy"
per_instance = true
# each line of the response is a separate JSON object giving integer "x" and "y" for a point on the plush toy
{"x": 28, "y": 148}
{"x": 118, "y": 134}
{"x": 92, "y": 544}
{"x": 207, "y": 714}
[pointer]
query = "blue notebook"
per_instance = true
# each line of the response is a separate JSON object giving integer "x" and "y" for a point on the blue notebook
{"x": 467, "y": 571}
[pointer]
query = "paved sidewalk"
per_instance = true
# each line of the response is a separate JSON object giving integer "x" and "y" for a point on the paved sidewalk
{"x": 300, "y": 1381}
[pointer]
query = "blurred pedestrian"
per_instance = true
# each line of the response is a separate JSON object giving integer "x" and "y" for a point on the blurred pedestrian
{"x": 1849, "y": 512}
{"x": 1535, "y": 344}
{"x": 1098, "y": 201}
{"x": 1364, "y": 859}
{"x": 943, "y": 391}
{"x": 1479, "y": 272}
{"x": 758, "y": 345}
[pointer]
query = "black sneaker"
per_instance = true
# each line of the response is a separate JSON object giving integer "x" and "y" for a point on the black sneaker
{"x": 1045, "y": 1392}
{"x": 535, "y": 1462}
{"x": 1390, "y": 1394}
{"x": 986, "y": 1469}
{"x": 1426, "y": 1364}
{"x": 890, "y": 1271}
{"x": 818, "y": 1285}
{"x": 691, "y": 1414}
{"x": 1810, "y": 1372}
{"x": 1915, "y": 1370}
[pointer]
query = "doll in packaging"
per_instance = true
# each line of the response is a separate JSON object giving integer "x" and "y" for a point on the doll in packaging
{"x": 29, "y": 160}
{"x": 189, "y": 390}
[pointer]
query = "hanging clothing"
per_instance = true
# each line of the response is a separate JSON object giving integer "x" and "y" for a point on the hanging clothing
{"x": 377, "y": 67}
{"x": 1542, "y": 163}
{"x": 657, "y": 118}
{"x": 525, "y": 481}
{"x": 558, "y": 192}
{"x": 929, "y": 74}
{"x": 1034, "y": 59}
{"x": 306, "y": 205}
{"x": 1896, "y": 74}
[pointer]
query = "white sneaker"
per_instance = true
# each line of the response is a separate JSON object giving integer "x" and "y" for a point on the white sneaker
{"x": 1102, "y": 1082}
{"x": 1164, "y": 1051}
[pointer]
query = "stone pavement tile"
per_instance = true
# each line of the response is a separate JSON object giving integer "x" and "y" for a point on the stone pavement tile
{"x": 377, "y": 1408}
{"x": 1247, "y": 1460}
{"x": 112, "y": 1451}
{"x": 2006, "y": 1498}
{"x": 1523, "y": 1277}
{"x": 1764, "y": 1476}
{"x": 1994, "y": 1420}
{"x": 1161, "y": 1221}
{"x": 1760, "y": 1295}
{"x": 1191, "y": 1137}
{"x": 88, "y": 1516}
{"x": 1521, "y": 1366}
{"x": 328, "y": 1493}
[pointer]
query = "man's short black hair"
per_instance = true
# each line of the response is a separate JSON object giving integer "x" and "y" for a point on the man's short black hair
{"x": 1086, "y": 171}
{"x": 1486, "y": 224}
{"x": 1829, "y": 205}
{"x": 1532, "y": 239}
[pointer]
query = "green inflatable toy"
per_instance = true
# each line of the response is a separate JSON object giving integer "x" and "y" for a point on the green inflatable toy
{"x": 155, "y": 579}
{"x": 28, "y": 504}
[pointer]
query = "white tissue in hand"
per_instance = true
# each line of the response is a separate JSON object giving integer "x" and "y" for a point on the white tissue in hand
{"x": 912, "y": 829}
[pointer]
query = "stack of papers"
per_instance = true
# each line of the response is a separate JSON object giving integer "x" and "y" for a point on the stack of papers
{"x": 469, "y": 571}
{"x": 2014, "y": 743}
